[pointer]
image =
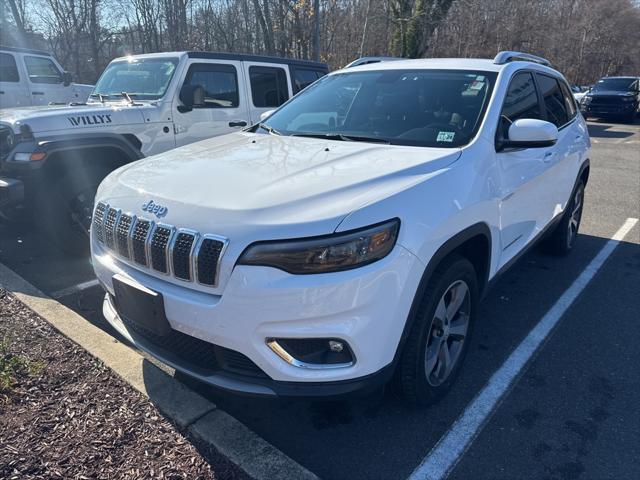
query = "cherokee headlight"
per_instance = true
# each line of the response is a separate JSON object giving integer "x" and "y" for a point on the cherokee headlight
{"x": 586, "y": 100}
{"x": 328, "y": 253}
{"x": 628, "y": 98}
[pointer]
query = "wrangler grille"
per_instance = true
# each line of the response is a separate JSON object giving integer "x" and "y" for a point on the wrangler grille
{"x": 185, "y": 254}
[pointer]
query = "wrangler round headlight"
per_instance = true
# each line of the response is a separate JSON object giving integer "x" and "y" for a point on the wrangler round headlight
{"x": 330, "y": 253}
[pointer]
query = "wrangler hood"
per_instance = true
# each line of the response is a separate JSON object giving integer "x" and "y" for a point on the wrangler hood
{"x": 75, "y": 117}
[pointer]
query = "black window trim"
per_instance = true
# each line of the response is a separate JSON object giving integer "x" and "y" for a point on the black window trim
{"x": 235, "y": 69}
{"x": 15, "y": 63}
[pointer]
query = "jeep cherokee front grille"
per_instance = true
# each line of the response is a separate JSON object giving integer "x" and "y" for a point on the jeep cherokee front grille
{"x": 122, "y": 234}
{"x": 98, "y": 221}
{"x": 185, "y": 254}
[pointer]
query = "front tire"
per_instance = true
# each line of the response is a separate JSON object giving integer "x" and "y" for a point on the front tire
{"x": 64, "y": 210}
{"x": 440, "y": 333}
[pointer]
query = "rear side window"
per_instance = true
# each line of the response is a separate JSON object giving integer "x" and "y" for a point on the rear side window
{"x": 569, "y": 100}
{"x": 8, "y": 68}
{"x": 553, "y": 100}
{"x": 303, "y": 78}
{"x": 42, "y": 70}
{"x": 522, "y": 99}
{"x": 220, "y": 83}
{"x": 268, "y": 86}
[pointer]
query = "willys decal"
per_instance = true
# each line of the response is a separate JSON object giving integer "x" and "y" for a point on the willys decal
{"x": 90, "y": 119}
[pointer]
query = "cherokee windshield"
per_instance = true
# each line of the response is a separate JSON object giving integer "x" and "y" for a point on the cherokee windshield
{"x": 140, "y": 78}
{"x": 430, "y": 108}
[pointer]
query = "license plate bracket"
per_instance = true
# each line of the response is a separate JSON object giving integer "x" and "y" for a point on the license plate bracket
{"x": 140, "y": 305}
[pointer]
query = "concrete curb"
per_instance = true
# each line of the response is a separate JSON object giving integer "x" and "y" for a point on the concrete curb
{"x": 185, "y": 408}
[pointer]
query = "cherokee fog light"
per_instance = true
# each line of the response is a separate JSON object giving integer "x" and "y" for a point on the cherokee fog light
{"x": 313, "y": 353}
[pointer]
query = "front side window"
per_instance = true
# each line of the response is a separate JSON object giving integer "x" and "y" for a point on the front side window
{"x": 268, "y": 86}
{"x": 428, "y": 108}
{"x": 8, "y": 68}
{"x": 140, "y": 78}
{"x": 522, "y": 99}
{"x": 42, "y": 70}
{"x": 220, "y": 83}
{"x": 553, "y": 100}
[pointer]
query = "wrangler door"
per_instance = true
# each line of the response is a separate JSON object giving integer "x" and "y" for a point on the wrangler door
{"x": 225, "y": 102}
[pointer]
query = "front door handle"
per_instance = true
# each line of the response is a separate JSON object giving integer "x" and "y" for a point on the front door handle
{"x": 241, "y": 123}
{"x": 37, "y": 93}
{"x": 547, "y": 157}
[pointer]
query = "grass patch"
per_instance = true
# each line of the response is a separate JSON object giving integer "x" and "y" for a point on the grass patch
{"x": 13, "y": 367}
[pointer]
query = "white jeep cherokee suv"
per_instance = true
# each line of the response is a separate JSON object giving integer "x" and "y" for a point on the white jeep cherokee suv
{"x": 350, "y": 235}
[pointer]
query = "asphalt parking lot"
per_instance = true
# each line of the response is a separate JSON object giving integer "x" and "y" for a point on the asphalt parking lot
{"x": 572, "y": 414}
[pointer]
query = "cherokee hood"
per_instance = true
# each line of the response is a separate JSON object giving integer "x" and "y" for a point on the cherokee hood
{"x": 243, "y": 181}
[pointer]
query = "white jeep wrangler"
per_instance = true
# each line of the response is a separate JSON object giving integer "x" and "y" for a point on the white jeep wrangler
{"x": 53, "y": 158}
{"x": 350, "y": 234}
{"x": 34, "y": 77}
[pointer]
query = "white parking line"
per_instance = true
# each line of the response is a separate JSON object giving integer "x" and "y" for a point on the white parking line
{"x": 75, "y": 288}
{"x": 453, "y": 444}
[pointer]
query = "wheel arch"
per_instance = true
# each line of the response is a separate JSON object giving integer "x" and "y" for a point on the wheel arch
{"x": 104, "y": 152}
{"x": 473, "y": 243}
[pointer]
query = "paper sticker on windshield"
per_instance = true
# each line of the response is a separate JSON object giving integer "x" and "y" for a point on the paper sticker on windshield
{"x": 445, "y": 136}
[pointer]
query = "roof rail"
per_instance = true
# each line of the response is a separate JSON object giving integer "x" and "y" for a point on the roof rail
{"x": 510, "y": 56}
{"x": 369, "y": 60}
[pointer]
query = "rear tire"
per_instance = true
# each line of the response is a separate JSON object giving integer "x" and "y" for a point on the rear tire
{"x": 440, "y": 333}
{"x": 562, "y": 239}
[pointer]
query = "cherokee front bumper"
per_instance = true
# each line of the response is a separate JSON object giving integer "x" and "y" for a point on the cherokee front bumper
{"x": 366, "y": 307}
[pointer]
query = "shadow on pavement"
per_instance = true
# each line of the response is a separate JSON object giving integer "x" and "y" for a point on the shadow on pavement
{"x": 607, "y": 131}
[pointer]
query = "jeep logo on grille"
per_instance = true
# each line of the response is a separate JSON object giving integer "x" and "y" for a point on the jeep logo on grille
{"x": 158, "y": 210}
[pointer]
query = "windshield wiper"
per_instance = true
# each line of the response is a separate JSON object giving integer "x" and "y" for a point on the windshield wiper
{"x": 100, "y": 96}
{"x": 342, "y": 137}
{"x": 269, "y": 129}
{"x": 128, "y": 97}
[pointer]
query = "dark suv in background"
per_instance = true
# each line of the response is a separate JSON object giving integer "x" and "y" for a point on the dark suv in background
{"x": 613, "y": 97}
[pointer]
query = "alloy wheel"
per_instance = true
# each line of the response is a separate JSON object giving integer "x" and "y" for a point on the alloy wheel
{"x": 448, "y": 332}
{"x": 576, "y": 215}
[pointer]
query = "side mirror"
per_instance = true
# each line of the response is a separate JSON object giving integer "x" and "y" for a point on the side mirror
{"x": 191, "y": 96}
{"x": 265, "y": 115}
{"x": 67, "y": 78}
{"x": 530, "y": 133}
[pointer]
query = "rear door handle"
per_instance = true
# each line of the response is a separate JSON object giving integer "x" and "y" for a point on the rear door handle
{"x": 37, "y": 93}
{"x": 241, "y": 123}
{"x": 547, "y": 157}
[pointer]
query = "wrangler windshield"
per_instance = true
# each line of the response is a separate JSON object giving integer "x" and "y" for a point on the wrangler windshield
{"x": 140, "y": 78}
{"x": 430, "y": 108}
